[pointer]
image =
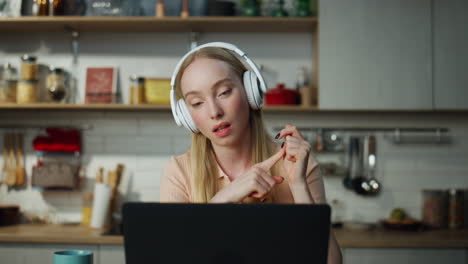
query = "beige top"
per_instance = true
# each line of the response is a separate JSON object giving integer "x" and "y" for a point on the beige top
{"x": 176, "y": 184}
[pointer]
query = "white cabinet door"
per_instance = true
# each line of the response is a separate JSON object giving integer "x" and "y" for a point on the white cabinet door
{"x": 404, "y": 256}
{"x": 38, "y": 253}
{"x": 451, "y": 54}
{"x": 111, "y": 254}
{"x": 375, "y": 54}
{"x": 10, "y": 254}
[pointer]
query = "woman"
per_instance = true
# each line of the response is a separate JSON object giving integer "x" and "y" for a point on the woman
{"x": 232, "y": 159}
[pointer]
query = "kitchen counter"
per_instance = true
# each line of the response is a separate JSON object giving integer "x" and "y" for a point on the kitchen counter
{"x": 378, "y": 238}
{"x": 62, "y": 234}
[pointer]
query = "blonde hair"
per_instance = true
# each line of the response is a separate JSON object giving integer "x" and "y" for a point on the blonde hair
{"x": 202, "y": 159}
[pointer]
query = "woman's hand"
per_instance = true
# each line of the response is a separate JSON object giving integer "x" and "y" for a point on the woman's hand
{"x": 256, "y": 182}
{"x": 297, "y": 155}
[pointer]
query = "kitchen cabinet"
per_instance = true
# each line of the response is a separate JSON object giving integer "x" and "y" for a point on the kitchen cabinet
{"x": 450, "y": 22}
{"x": 375, "y": 54}
{"x": 403, "y": 255}
{"x": 111, "y": 254}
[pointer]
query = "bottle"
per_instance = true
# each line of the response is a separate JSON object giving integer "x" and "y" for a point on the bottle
{"x": 55, "y": 84}
{"x": 280, "y": 11}
{"x": 160, "y": 9}
{"x": 41, "y": 7}
{"x": 185, "y": 10}
{"x": 137, "y": 89}
{"x": 86, "y": 208}
{"x": 56, "y": 8}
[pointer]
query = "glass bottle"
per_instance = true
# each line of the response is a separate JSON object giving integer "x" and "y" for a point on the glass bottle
{"x": 456, "y": 206}
{"x": 280, "y": 11}
{"x": 41, "y": 7}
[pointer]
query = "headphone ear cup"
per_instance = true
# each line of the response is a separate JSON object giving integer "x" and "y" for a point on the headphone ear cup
{"x": 185, "y": 117}
{"x": 250, "y": 86}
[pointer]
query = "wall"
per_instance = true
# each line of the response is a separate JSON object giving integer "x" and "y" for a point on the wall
{"x": 143, "y": 141}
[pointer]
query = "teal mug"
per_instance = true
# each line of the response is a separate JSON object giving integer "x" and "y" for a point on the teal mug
{"x": 73, "y": 257}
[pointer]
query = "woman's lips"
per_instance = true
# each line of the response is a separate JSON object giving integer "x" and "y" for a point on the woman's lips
{"x": 223, "y": 130}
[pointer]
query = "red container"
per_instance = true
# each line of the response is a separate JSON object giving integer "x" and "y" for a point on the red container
{"x": 281, "y": 96}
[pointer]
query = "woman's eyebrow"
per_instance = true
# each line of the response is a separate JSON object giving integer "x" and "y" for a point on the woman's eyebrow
{"x": 220, "y": 82}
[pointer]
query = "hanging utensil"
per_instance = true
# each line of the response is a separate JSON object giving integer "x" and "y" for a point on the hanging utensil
{"x": 4, "y": 172}
{"x": 347, "y": 181}
{"x": 373, "y": 183}
{"x": 20, "y": 171}
{"x": 11, "y": 175}
{"x": 357, "y": 177}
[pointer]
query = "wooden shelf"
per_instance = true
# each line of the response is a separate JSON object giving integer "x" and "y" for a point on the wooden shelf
{"x": 164, "y": 108}
{"x": 126, "y": 107}
{"x": 152, "y": 24}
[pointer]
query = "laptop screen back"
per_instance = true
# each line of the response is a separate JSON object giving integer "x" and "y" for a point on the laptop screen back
{"x": 225, "y": 233}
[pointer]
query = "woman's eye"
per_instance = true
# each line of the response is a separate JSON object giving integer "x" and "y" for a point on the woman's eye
{"x": 196, "y": 104}
{"x": 228, "y": 91}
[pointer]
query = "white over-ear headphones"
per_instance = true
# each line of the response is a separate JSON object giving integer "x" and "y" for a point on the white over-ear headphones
{"x": 254, "y": 85}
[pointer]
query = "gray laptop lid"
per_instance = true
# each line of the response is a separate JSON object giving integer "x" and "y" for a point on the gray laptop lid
{"x": 225, "y": 233}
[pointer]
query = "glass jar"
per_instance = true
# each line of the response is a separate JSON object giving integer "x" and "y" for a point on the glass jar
{"x": 55, "y": 84}
{"x": 28, "y": 67}
{"x": 435, "y": 208}
{"x": 8, "y": 91}
{"x": 8, "y": 72}
{"x": 456, "y": 207}
{"x": 137, "y": 90}
{"x": 26, "y": 91}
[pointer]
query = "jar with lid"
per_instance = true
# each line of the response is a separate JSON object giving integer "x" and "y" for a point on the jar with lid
{"x": 137, "y": 89}
{"x": 456, "y": 207}
{"x": 55, "y": 84}
{"x": 28, "y": 67}
{"x": 435, "y": 208}
{"x": 26, "y": 91}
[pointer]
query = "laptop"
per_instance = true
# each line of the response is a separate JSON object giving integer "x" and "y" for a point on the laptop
{"x": 169, "y": 233}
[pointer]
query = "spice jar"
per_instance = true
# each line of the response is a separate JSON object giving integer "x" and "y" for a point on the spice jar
{"x": 456, "y": 205}
{"x": 28, "y": 67}
{"x": 8, "y": 91}
{"x": 55, "y": 84}
{"x": 137, "y": 90}
{"x": 435, "y": 208}
{"x": 26, "y": 91}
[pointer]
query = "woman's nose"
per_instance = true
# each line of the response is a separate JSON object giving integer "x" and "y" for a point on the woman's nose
{"x": 215, "y": 110}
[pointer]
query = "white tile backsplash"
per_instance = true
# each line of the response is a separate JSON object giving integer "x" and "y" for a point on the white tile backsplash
{"x": 144, "y": 143}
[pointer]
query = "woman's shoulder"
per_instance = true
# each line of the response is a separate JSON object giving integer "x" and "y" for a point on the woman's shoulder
{"x": 180, "y": 162}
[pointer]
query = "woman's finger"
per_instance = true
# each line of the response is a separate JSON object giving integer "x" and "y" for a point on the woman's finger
{"x": 289, "y": 130}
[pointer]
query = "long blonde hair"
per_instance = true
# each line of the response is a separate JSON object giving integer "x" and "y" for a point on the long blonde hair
{"x": 202, "y": 159}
